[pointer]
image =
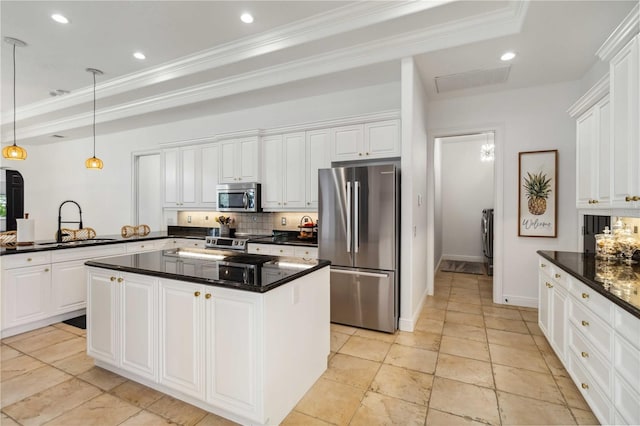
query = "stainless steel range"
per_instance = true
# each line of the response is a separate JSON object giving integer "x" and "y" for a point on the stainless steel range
{"x": 226, "y": 243}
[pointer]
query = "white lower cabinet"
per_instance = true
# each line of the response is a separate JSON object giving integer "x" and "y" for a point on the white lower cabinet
{"x": 597, "y": 341}
{"x": 68, "y": 286}
{"x": 25, "y": 295}
{"x": 121, "y": 320}
{"x": 283, "y": 250}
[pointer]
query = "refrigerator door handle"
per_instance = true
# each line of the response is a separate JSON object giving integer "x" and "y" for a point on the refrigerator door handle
{"x": 365, "y": 274}
{"x": 348, "y": 217}
{"x": 356, "y": 217}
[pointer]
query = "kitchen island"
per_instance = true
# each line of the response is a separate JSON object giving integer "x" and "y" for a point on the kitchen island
{"x": 243, "y": 336}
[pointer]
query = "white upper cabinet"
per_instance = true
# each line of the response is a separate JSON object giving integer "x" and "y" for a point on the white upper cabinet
{"x": 363, "y": 141}
{"x": 210, "y": 175}
{"x": 317, "y": 157}
{"x": 593, "y": 156}
{"x": 625, "y": 125}
{"x": 290, "y": 163}
{"x": 181, "y": 168}
{"x": 239, "y": 160}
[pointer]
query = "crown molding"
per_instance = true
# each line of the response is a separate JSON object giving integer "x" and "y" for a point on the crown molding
{"x": 347, "y": 18}
{"x": 624, "y": 32}
{"x": 593, "y": 95}
{"x": 486, "y": 26}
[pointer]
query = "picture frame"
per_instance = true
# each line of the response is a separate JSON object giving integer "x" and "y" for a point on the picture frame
{"x": 538, "y": 194}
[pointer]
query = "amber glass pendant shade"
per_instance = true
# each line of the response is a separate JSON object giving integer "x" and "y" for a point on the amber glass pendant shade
{"x": 93, "y": 163}
{"x": 14, "y": 152}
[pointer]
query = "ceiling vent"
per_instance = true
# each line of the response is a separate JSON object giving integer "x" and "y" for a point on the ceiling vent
{"x": 467, "y": 80}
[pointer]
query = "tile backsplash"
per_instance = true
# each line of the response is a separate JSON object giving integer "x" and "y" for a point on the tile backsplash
{"x": 252, "y": 223}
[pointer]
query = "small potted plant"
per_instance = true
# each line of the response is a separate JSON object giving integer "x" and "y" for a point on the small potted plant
{"x": 224, "y": 222}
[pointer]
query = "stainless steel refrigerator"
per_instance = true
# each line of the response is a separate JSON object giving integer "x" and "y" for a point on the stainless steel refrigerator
{"x": 359, "y": 232}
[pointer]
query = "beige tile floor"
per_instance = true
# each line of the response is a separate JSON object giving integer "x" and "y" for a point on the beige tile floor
{"x": 468, "y": 362}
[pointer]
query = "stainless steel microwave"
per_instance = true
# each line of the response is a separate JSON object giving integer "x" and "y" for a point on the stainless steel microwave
{"x": 239, "y": 197}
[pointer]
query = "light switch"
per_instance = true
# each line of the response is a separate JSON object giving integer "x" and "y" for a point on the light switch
{"x": 188, "y": 219}
{"x": 419, "y": 199}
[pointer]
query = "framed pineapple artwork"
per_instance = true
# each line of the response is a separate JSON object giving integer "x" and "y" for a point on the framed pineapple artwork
{"x": 538, "y": 194}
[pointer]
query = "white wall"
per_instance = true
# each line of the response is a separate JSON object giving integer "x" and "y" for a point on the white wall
{"x": 55, "y": 172}
{"x": 415, "y": 263}
{"x": 467, "y": 189}
{"x": 531, "y": 119}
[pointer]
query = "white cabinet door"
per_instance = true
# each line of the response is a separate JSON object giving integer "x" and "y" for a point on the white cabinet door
{"x": 249, "y": 164}
{"x": 382, "y": 139}
{"x": 68, "y": 286}
{"x": 294, "y": 170}
{"x": 586, "y": 139}
{"x": 189, "y": 176}
{"x": 272, "y": 164}
{"x": 210, "y": 165}
{"x": 26, "y": 294}
{"x": 603, "y": 150}
{"x": 233, "y": 349}
{"x": 347, "y": 142}
{"x": 625, "y": 126}
{"x": 317, "y": 157}
{"x": 182, "y": 337}
{"x": 558, "y": 320}
{"x": 170, "y": 169}
{"x": 138, "y": 302}
{"x": 102, "y": 316}
{"x": 229, "y": 156}
{"x": 545, "y": 300}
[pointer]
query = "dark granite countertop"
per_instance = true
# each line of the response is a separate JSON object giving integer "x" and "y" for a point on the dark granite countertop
{"x": 289, "y": 238}
{"x": 172, "y": 232}
{"x": 615, "y": 280}
{"x": 222, "y": 268}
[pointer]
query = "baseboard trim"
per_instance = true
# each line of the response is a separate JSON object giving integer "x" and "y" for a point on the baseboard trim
{"x": 409, "y": 324}
{"x": 12, "y": 331}
{"x": 528, "y": 302}
{"x": 462, "y": 258}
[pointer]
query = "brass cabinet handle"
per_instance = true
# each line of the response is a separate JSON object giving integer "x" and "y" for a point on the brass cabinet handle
{"x": 585, "y": 295}
{"x": 308, "y": 203}
{"x": 112, "y": 279}
{"x": 120, "y": 280}
{"x": 29, "y": 260}
{"x": 46, "y": 269}
{"x": 196, "y": 244}
{"x": 257, "y": 248}
{"x": 360, "y": 154}
{"x": 142, "y": 246}
{"x": 543, "y": 265}
{"x": 549, "y": 285}
{"x": 635, "y": 198}
{"x": 585, "y": 354}
{"x": 367, "y": 153}
{"x": 280, "y": 250}
{"x": 196, "y": 294}
{"x": 585, "y": 323}
{"x": 584, "y": 386}
{"x": 207, "y": 296}
{"x": 628, "y": 198}
{"x": 557, "y": 275}
{"x": 593, "y": 201}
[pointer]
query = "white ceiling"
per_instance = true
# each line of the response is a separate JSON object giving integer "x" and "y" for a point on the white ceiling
{"x": 200, "y": 57}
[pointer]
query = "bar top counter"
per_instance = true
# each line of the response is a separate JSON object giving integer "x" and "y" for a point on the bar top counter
{"x": 222, "y": 268}
{"x": 615, "y": 280}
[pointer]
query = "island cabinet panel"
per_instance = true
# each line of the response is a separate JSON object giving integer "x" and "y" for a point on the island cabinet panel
{"x": 121, "y": 321}
{"x": 102, "y": 316}
{"x": 182, "y": 337}
{"x": 234, "y": 348}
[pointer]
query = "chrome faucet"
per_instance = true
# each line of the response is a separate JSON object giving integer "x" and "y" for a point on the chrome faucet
{"x": 60, "y": 222}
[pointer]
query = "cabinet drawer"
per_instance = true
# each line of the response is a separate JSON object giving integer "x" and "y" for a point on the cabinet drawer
{"x": 596, "y": 331}
{"x": 281, "y": 250}
{"x": 591, "y": 300}
{"x": 627, "y": 325}
{"x": 590, "y": 358}
{"x": 259, "y": 249}
{"x": 626, "y": 401}
{"x": 190, "y": 242}
{"x": 626, "y": 361}
{"x": 589, "y": 389}
{"x": 306, "y": 252}
{"x": 26, "y": 259}
{"x": 141, "y": 246}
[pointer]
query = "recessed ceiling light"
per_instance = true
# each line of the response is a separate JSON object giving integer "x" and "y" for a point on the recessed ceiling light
{"x": 507, "y": 56}
{"x": 60, "y": 18}
{"x": 139, "y": 55}
{"x": 246, "y": 18}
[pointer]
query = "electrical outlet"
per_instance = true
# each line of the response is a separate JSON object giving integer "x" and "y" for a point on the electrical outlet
{"x": 283, "y": 220}
{"x": 206, "y": 218}
{"x": 255, "y": 218}
{"x": 188, "y": 219}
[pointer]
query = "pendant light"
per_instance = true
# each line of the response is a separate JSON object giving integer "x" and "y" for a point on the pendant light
{"x": 14, "y": 152}
{"x": 94, "y": 163}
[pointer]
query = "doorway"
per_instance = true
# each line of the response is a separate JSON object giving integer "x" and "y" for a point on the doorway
{"x": 147, "y": 202}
